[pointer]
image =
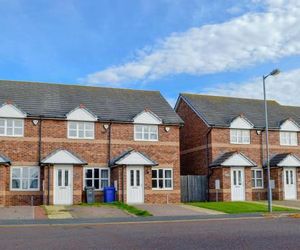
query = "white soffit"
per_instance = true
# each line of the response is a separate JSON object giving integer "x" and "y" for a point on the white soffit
{"x": 62, "y": 157}
{"x": 135, "y": 158}
{"x": 11, "y": 111}
{"x": 147, "y": 117}
{"x": 237, "y": 160}
{"x": 289, "y": 125}
{"x": 81, "y": 114}
{"x": 241, "y": 123}
{"x": 289, "y": 161}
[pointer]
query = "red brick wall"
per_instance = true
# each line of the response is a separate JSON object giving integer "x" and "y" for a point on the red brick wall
{"x": 24, "y": 152}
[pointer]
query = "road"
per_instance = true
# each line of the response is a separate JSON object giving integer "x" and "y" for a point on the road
{"x": 282, "y": 233}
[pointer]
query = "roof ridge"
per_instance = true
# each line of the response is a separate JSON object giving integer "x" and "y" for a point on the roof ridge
{"x": 228, "y": 97}
{"x": 79, "y": 85}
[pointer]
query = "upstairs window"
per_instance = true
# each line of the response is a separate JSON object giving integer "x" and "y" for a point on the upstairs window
{"x": 239, "y": 136}
{"x": 288, "y": 138}
{"x": 81, "y": 130}
{"x": 146, "y": 132}
{"x": 11, "y": 127}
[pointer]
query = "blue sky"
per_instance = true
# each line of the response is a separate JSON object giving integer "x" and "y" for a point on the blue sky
{"x": 208, "y": 46}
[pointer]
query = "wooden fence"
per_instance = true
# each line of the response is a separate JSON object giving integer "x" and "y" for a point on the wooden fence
{"x": 193, "y": 188}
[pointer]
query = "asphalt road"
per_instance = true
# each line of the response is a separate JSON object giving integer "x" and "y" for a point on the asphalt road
{"x": 283, "y": 233}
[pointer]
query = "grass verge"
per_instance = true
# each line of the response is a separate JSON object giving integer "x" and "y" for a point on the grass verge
{"x": 128, "y": 208}
{"x": 239, "y": 207}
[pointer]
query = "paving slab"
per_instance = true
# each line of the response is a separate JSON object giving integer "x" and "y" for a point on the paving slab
{"x": 58, "y": 212}
{"x": 97, "y": 212}
{"x": 294, "y": 204}
{"x": 173, "y": 209}
{"x": 17, "y": 213}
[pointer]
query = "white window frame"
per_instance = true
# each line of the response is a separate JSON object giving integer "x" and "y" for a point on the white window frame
{"x": 164, "y": 178}
{"x": 93, "y": 178}
{"x": 22, "y": 178}
{"x": 286, "y": 138}
{"x": 77, "y": 130}
{"x": 143, "y": 132}
{"x": 255, "y": 178}
{"x": 13, "y": 126}
{"x": 240, "y": 134}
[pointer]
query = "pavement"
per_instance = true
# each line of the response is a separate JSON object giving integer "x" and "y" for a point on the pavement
{"x": 19, "y": 213}
{"x": 174, "y": 209}
{"x": 240, "y": 233}
{"x": 294, "y": 204}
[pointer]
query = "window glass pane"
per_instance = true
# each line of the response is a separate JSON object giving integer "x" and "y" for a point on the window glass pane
{"x": 292, "y": 177}
{"x": 96, "y": 184}
{"x": 258, "y": 174}
{"x": 240, "y": 177}
{"x": 153, "y": 129}
{"x": 33, "y": 173}
{"x": 154, "y": 173}
{"x": 287, "y": 177}
{"x": 253, "y": 183}
{"x": 154, "y": 183}
{"x": 2, "y": 131}
{"x": 34, "y": 184}
{"x": 15, "y": 184}
{"x": 88, "y": 183}
{"x": 24, "y": 184}
{"x": 104, "y": 183}
{"x": 168, "y": 174}
{"x": 153, "y": 136}
{"x": 160, "y": 173}
{"x": 88, "y": 173}
{"x": 73, "y": 125}
{"x": 25, "y": 172}
{"x": 146, "y": 136}
{"x": 80, "y": 133}
{"x": 168, "y": 183}
{"x": 146, "y": 129}
{"x": 234, "y": 178}
{"x": 138, "y": 136}
{"x": 89, "y": 126}
{"x": 18, "y": 131}
{"x": 16, "y": 173}
{"x": 89, "y": 134}
{"x": 161, "y": 183}
{"x": 9, "y": 123}
{"x": 72, "y": 133}
{"x": 138, "y": 178}
{"x": 66, "y": 178}
{"x": 96, "y": 173}
{"x": 259, "y": 182}
{"x": 9, "y": 131}
{"x": 131, "y": 178}
{"x": 59, "y": 177}
{"x": 104, "y": 173}
{"x": 2, "y": 122}
{"x": 18, "y": 123}
{"x": 80, "y": 125}
{"x": 139, "y": 128}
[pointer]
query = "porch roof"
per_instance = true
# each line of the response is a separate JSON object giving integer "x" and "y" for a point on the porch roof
{"x": 133, "y": 158}
{"x": 285, "y": 160}
{"x": 233, "y": 159}
{"x": 63, "y": 156}
{"x": 4, "y": 159}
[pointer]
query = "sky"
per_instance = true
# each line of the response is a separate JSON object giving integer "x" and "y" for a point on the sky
{"x": 175, "y": 46}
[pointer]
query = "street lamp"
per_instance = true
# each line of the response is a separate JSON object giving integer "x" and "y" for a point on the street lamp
{"x": 273, "y": 73}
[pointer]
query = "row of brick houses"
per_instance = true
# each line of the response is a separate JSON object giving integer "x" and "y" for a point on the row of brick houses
{"x": 224, "y": 138}
{"x": 56, "y": 140}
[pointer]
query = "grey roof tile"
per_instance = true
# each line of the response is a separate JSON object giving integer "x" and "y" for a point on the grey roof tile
{"x": 219, "y": 110}
{"x": 109, "y": 104}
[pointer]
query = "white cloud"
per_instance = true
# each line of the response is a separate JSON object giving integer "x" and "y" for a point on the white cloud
{"x": 246, "y": 40}
{"x": 284, "y": 88}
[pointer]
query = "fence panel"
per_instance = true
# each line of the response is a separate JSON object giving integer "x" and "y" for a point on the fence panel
{"x": 193, "y": 188}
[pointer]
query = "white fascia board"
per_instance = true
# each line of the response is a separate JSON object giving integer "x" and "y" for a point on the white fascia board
{"x": 134, "y": 158}
{"x": 241, "y": 123}
{"x": 290, "y": 125}
{"x": 147, "y": 117}
{"x": 290, "y": 161}
{"x": 238, "y": 160}
{"x": 81, "y": 114}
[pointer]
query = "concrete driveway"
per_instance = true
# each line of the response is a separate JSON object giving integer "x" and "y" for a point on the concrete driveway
{"x": 17, "y": 213}
{"x": 174, "y": 209}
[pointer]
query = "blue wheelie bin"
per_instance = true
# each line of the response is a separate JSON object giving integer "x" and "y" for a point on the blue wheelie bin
{"x": 109, "y": 194}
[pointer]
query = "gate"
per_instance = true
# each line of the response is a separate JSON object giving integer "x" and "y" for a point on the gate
{"x": 193, "y": 188}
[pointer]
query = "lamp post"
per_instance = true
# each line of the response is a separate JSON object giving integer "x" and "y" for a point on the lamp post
{"x": 273, "y": 73}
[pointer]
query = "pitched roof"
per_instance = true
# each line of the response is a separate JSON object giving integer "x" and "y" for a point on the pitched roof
{"x": 4, "y": 159}
{"x": 220, "y": 110}
{"x": 109, "y": 104}
{"x": 63, "y": 156}
{"x": 133, "y": 158}
{"x": 278, "y": 159}
{"x": 237, "y": 159}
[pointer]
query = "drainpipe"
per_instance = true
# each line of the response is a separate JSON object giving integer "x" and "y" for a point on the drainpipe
{"x": 109, "y": 144}
{"x": 123, "y": 198}
{"x": 209, "y": 173}
{"x": 48, "y": 198}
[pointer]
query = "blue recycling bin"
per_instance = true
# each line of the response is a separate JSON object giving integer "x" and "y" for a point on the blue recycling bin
{"x": 109, "y": 194}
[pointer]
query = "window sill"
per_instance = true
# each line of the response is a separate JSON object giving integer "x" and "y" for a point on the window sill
{"x": 146, "y": 140}
{"x": 25, "y": 190}
{"x": 162, "y": 189}
{"x": 75, "y": 138}
{"x": 13, "y": 136}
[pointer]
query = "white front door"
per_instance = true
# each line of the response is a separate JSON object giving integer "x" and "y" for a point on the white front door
{"x": 135, "y": 184}
{"x": 237, "y": 184}
{"x": 290, "y": 187}
{"x": 63, "y": 185}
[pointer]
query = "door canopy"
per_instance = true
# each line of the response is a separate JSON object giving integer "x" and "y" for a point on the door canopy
{"x": 285, "y": 160}
{"x": 133, "y": 158}
{"x": 233, "y": 159}
{"x": 63, "y": 156}
{"x": 4, "y": 160}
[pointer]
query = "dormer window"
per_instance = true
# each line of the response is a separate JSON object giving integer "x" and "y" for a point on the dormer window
{"x": 11, "y": 121}
{"x": 81, "y": 124}
{"x": 289, "y": 133}
{"x": 240, "y": 131}
{"x": 146, "y": 126}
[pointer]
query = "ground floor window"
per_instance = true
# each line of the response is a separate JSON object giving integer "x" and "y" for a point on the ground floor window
{"x": 257, "y": 178}
{"x": 25, "y": 178}
{"x": 162, "y": 178}
{"x": 96, "y": 177}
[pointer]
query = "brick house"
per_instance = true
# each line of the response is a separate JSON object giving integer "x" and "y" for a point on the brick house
{"x": 55, "y": 140}
{"x": 224, "y": 139}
